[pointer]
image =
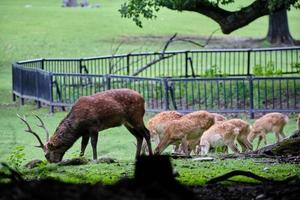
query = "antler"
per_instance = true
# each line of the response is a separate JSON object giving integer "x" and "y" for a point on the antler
{"x": 31, "y": 131}
{"x": 42, "y": 125}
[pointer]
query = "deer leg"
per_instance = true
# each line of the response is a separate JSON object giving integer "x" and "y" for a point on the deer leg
{"x": 84, "y": 142}
{"x": 139, "y": 139}
{"x": 282, "y": 134}
{"x": 146, "y": 135}
{"x": 233, "y": 147}
{"x": 94, "y": 140}
{"x": 225, "y": 149}
{"x": 259, "y": 140}
{"x": 240, "y": 141}
{"x": 265, "y": 139}
{"x": 185, "y": 147}
{"x": 163, "y": 144}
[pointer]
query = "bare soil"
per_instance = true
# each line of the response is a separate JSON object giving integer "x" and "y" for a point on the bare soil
{"x": 213, "y": 42}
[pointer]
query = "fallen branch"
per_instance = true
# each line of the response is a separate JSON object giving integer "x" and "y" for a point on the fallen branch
{"x": 238, "y": 173}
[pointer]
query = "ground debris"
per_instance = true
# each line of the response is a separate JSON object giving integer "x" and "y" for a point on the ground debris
{"x": 32, "y": 164}
{"x": 204, "y": 159}
{"x": 74, "y": 161}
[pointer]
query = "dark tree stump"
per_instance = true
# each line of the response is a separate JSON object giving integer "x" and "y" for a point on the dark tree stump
{"x": 288, "y": 147}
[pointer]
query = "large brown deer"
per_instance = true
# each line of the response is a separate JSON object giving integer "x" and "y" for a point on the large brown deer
{"x": 91, "y": 114}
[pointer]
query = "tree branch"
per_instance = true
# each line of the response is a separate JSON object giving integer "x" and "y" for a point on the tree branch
{"x": 230, "y": 21}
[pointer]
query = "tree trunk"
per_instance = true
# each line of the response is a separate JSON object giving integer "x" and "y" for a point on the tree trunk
{"x": 288, "y": 147}
{"x": 279, "y": 32}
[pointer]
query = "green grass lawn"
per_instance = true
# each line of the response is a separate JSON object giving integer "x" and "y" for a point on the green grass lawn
{"x": 37, "y": 29}
{"x": 115, "y": 143}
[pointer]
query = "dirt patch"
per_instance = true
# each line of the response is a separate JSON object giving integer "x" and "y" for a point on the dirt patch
{"x": 213, "y": 42}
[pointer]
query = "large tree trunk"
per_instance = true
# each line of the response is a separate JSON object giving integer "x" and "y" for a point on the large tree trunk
{"x": 279, "y": 32}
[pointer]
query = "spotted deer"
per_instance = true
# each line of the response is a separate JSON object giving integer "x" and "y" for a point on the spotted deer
{"x": 271, "y": 122}
{"x": 91, "y": 114}
{"x": 224, "y": 133}
{"x": 187, "y": 128}
{"x": 157, "y": 125}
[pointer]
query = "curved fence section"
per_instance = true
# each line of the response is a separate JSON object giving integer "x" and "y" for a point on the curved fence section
{"x": 231, "y": 80}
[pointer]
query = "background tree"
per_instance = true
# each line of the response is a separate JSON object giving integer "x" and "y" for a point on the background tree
{"x": 228, "y": 20}
{"x": 279, "y": 29}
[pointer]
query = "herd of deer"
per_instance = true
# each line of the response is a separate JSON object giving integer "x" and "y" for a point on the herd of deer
{"x": 198, "y": 131}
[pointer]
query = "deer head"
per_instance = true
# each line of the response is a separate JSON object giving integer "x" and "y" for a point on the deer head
{"x": 50, "y": 152}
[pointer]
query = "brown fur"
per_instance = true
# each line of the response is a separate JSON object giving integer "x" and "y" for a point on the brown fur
{"x": 188, "y": 127}
{"x": 244, "y": 131}
{"x": 219, "y": 117}
{"x": 91, "y": 114}
{"x": 156, "y": 125}
{"x": 272, "y": 122}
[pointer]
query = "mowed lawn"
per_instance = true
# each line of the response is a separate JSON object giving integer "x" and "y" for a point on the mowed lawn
{"x": 35, "y": 29}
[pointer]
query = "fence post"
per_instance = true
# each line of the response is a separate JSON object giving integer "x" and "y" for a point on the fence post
{"x": 21, "y": 92}
{"x": 186, "y": 64}
{"x": 251, "y": 113}
{"x": 248, "y": 61}
{"x": 166, "y": 86}
{"x": 51, "y": 92}
{"x": 42, "y": 63}
{"x": 13, "y": 82}
{"x": 80, "y": 66}
{"x": 37, "y": 91}
{"x": 128, "y": 64}
{"x": 108, "y": 85}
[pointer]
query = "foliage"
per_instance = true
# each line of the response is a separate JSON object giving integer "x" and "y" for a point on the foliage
{"x": 268, "y": 70}
{"x": 213, "y": 71}
{"x": 16, "y": 157}
{"x": 147, "y": 9}
{"x": 296, "y": 67}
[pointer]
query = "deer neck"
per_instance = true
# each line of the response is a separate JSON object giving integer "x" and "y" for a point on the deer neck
{"x": 65, "y": 136}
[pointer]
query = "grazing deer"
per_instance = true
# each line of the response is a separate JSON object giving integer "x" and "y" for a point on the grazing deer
{"x": 271, "y": 122}
{"x": 244, "y": 131}
{"x": 188, "y": 127}
{"x": 298, "y": 122}
{"x": 91, "y": 114}
{"x": 218, "y": 117}
{"x": 157, "y": 124}
{"x": 222, "y": 134}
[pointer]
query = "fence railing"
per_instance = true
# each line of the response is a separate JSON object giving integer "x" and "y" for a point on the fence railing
{"x": 194, "y": 63}
{"x": 171, "y": 80}
{"x": 246, "y": 94}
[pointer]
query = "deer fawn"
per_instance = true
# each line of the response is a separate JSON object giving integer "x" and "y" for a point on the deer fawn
{"x": 157, "y": 125}
{"x": 224, "y": 134}
{"x": 91, "y": 114}
{"x": 271, "y": 122}
{"x": 187, "y": 128}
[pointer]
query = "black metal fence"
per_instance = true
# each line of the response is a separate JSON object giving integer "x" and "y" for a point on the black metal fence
{"x": 214, "y": 80}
